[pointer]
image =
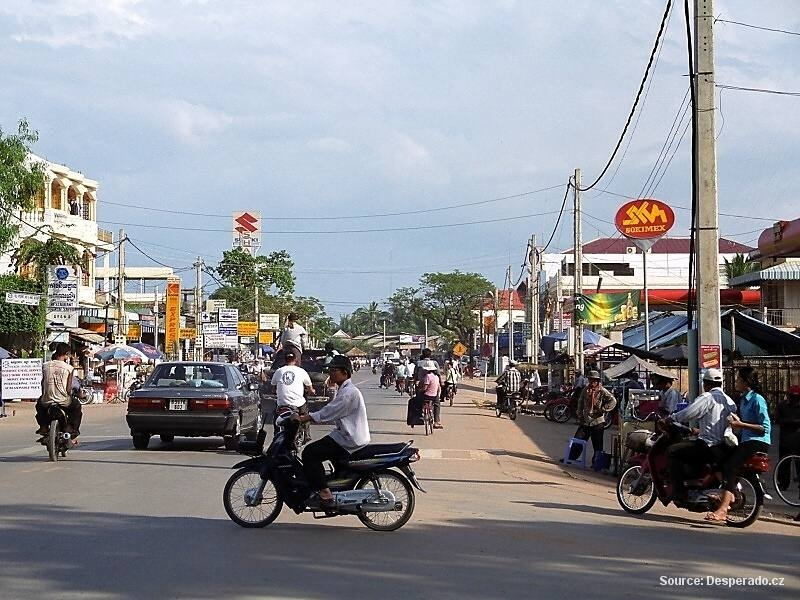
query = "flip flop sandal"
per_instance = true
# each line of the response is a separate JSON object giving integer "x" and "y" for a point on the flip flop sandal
{"x": 712, "y": 517}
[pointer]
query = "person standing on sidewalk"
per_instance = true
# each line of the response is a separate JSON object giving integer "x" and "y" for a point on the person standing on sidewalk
{"x": 593, "y": 404}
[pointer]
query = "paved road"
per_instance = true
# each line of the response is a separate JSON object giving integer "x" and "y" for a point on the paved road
{"x": 500, "y": 520}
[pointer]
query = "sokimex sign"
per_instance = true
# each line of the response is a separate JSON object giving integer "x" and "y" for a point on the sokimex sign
{"x": 644, "y": 218}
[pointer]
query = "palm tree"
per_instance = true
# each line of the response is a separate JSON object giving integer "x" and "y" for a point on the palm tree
{"x": 370, "y": 318}
{"x": 738, "y": 266}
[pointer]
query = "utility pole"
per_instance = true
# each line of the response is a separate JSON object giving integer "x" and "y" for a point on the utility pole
{"x": 155, "y": 318}
{"x": 533, "y": 286}
{"x": 577, "y": 277}
{"x": 123, "y": 321}
{"x": 198, "y": 325}
{"x": 708, "y": 308}
{"x": 510, "y": 319}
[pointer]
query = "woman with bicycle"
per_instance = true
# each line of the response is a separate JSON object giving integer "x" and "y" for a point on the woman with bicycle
{"x": 429, "y": 388}
{"x": 451, "y": 378}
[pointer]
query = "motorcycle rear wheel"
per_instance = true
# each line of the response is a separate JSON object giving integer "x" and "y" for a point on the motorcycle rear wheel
{"x": 636, "y": 505}
{"x": 512, "y": 412}
{"x": 52, "y": 441}
{"x": 746, "y": 506}
{"x": 561, "y": 413}
{"x": 250, "y": 516}
{"x": 403, "y": 493}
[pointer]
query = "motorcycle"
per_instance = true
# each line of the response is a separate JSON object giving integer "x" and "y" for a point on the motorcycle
{"x": 646, "y": 479}
{"x": 511, "y": 405}
{"x": 373, "y": 483}
{"x": 374, "y": 370}
{"x": 59, "y": 435}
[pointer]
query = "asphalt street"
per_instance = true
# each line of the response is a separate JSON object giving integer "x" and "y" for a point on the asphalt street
{"x": 501, "y": 519}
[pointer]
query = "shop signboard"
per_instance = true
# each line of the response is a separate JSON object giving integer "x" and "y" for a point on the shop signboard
{"x": 213, "y": 306}
{"x": 229, "y": 321}
{"x": 187, "y": 333}
{"x": 172, "y": 324}
{"x": 23, "y": 298}
{"x": 247, "y": 328}
{"x": 265, "y": 337}
{"x": 62, "y": 287}
{"x": 644, "y": 219}
{"x": 21, "y": 378}
{"x": 606, "y": 309}
{"x": 268, "y": 321}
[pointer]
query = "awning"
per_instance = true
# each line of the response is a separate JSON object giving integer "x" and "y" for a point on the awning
{"x": 635, "y": 363}
{"x": 788, "y": 271}
{"x": 85, "y": 335}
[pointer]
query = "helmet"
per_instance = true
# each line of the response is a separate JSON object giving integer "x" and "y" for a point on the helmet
{"x": 340, "y": 361}
{"x": 714, "y": 375}
{"x": 427, "y": 365}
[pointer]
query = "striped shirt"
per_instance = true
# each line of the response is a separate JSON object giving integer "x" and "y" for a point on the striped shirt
{"x": 511, "y": 380}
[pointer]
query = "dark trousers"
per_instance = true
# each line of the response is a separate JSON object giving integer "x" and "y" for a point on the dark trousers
{"x": 315, "y": 454}
{"x": 437, "y": 405}
{"x": 685, "y": 453}
{"x": 737, "y": 458}
{"x": 305, "y": 428}
{"x": 73, "y": 412}
{"x": 585, "y": 432}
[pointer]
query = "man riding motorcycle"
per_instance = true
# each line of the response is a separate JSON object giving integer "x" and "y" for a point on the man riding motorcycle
{"x": 507, "y": 384}
{"x": 58, "y": 385}
{"x": 712, "y": 409}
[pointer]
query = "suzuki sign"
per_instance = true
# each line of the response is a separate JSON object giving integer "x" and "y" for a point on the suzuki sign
{"x": 644, "y": 219}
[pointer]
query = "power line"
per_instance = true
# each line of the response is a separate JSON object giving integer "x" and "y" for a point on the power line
{"x": 759, "y": 90}
{"x": 340, "y": 217}
{"x": 560, "y": 214}
{"x": 667, "y": 145}
{"x": 636, "y": 100}
{"x": 757, "y": 27}
{"x": 339, "y": 231}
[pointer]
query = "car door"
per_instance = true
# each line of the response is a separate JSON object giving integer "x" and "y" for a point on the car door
{"x": 243, "y": 397}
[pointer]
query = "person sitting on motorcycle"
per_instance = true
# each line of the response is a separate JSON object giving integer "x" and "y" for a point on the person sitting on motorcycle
{"x": 400, "y": 376}
{"x": 451, "y": 377}
{"x": 594, "y": 402}
{"x": 386, "y": 374}
{"x": 712, "y": 409}
{"x": 58, "y": 384}
{"x": 330, "y": 352}
{"x": 508, "y": 383}
{"x": 755, "y": 426}
{"x": 349, "y": 413}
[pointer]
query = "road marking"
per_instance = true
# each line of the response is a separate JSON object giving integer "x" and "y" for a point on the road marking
{"x": 445, "y": 454}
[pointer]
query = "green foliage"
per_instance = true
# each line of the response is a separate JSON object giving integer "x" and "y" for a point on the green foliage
{"x": 446, "y": 300}
{"x": 738, "y": 266}
{"x": 19, "y": 181}
{"x": 238, "y": 268}
{"x": 18, "y": 318}
{"x": 33, "y": 252}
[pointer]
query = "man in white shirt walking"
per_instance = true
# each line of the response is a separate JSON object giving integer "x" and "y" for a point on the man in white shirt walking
{"x": 349, "y": 413}
{"x": 291, "y": 382}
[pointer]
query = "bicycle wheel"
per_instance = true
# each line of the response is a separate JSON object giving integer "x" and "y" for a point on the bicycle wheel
{"x": 786, "y": 479}
{"x": 428, "y": 418}
{"x": 450, "y": 393}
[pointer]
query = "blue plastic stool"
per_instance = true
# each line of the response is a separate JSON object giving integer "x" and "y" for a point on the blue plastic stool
{"x": 581, "y": 460}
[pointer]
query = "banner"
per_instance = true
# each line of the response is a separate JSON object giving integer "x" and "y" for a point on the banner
{"x": 172, "y": 325}
{"x": 606, "y": 309}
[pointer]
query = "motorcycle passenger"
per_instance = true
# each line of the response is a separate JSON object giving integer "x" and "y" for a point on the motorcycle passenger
{"x": 400, "y": 375}
{"x": 451, "y": 377}
{"x": 291, "y": 383}
{"x": 386, "y": 374}
{"x": 593, "y": 404}
{"x": 755, "y": 427}
{"x": 507, "y": 384}
{"x": 349, "y": 413}
{"x": 330, "y": 352}
{"x": 58, "y": 383}
{"x": 712, "y": 409}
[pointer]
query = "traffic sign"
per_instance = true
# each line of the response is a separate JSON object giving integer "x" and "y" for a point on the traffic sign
{"x": 62, "y": 318}
{"x": 459, "y": 349}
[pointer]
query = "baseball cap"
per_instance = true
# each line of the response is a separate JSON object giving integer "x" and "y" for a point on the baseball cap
{"x": 714, "y": 375}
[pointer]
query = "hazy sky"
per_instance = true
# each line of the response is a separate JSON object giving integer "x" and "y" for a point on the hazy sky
{"x": 321, "y": 114}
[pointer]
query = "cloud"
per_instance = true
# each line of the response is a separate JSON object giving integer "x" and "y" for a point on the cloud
{"x": 194, "y": 123}
{"x": 90, "y": 24}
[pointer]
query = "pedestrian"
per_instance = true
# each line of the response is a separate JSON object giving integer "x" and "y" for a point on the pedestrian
{"x": 291, "y": 383}
{"x": 788, "y": 419}
{"x": 593, "y": 404}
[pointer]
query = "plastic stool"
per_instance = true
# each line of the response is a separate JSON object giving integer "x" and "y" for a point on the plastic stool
{"x": 581, "y": 460}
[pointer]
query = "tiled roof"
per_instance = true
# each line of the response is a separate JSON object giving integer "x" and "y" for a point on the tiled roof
{"x": 517, "y": 301}
{"x": 662, "y": 246}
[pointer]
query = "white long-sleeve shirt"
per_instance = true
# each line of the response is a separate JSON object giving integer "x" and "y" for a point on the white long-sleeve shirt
{"x": 349, "y": 413}
{"x": 712, "y": 409}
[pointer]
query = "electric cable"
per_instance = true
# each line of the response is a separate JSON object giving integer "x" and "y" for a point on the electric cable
{"x": 752, "y": 89}
{"x": 786, "y": 31}
{"x": 636, "y": 100}
{"x": 560, "y": 214}
{"x": 693, "y": 215}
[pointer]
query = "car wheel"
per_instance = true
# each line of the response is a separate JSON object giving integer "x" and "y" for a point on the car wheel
{"x": 141, "y": 440}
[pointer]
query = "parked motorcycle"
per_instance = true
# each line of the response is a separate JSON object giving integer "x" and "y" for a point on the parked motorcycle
{"x": 373, "y": 484}
{"x": 558, "y": 409}
{"x": 647, "y": 479}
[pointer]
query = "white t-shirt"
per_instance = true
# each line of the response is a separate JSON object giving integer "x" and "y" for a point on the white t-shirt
{"x": 290, "y": 382}
{"x": 293, "y": 335}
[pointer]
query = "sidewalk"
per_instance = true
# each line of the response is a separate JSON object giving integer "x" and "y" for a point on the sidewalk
{"x": 547, "y": 441}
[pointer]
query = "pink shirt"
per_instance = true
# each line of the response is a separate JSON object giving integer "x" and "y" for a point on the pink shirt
{"x": 431, "y": 385}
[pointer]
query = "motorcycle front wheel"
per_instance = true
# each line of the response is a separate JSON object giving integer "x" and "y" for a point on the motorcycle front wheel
{"x": 244, "y": 515}
{"x": 747, "y": 502}
{"x": 403, "y": 493}
{"x": 561, "y": 413}
{"x": 52, "y": 441}
{"x": 636, "y": 504}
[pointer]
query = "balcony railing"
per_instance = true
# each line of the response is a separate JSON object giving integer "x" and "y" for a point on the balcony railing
{"x": 105, "y": 236}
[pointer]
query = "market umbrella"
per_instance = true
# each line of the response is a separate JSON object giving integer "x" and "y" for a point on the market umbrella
{"x": 149, "y": 351}
{"x": 121, "y": 353}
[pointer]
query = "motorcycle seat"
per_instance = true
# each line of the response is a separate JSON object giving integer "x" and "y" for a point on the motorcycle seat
{"x": 374, "y": 450}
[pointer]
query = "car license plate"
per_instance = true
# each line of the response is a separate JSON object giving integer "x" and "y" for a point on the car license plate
{"x": 177, "y": 404}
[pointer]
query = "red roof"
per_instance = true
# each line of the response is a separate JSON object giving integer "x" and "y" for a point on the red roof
{"x": 662, "y": 246}
{"x": 517, "y": 301}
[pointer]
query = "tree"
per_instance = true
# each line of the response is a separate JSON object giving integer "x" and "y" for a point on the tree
{"x": 448, "y": 300}
{"x": 20, "y": 180}
{"x": 369, "y": 319}
{"x": 738, "y": 266}
{"x": 18, "y": 319}
{"x": 238, "y": 268}
{"x": 35, "y": 255}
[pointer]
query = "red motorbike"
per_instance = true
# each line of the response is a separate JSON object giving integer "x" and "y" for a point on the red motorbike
{"x": 646, "y": 479}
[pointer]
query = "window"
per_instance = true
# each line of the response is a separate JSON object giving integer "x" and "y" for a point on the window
{"x": 188, "y": 375}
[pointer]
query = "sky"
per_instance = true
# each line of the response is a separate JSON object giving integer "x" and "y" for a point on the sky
{"x": 458, "y": 121}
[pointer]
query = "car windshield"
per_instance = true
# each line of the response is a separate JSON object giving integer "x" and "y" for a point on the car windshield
{"x": 205, "y": 376}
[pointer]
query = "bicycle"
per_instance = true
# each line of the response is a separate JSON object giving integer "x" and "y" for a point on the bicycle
{"x": 451, "y": 392}
{"x": 427, "y": 417}
{"x": 790, "y": 493}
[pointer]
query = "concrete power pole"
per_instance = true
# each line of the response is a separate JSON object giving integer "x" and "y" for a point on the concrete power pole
{"x": 577, "y": 277}
{"x": 155, "y": 318}
{"x": 533, "y": 286}
{"x": 707, "y": 278}
{"x": 510, "y": 319}
{"x": 123, "y": 320}
{"x": 198, "y": 308}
